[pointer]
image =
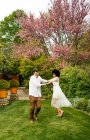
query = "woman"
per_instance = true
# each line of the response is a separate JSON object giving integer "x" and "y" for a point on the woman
{"x": 58, "y": 98}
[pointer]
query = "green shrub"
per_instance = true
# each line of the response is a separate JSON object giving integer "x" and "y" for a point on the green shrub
{"x": 4, "y": 84}
{"x": 14, "y": 83}
{"x": 27, "y": 66}
{"x": 13, "y": 67}
{"x": 75, "y": 82}
{"x": 74, "y": 101}
{"x": 47, "y": 91}
{"x": 82, "y": 104}
{"x": 88, "y": 108}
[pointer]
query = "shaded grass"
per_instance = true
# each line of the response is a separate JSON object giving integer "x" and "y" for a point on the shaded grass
{"x": 15, "y": 125}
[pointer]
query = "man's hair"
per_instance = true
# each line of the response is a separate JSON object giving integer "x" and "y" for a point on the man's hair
{"x": 35, "y": 70}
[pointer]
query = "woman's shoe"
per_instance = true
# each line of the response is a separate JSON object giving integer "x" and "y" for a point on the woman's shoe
{"x": 62, "y": 113}
{"x": 59, "y": 115}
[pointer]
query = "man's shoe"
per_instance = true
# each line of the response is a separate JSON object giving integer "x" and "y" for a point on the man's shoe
{"x": 31, "y": 121}
{"x": 36, "y": 117}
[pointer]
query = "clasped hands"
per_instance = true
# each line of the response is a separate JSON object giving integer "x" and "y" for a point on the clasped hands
{"x": 47, "y": 83}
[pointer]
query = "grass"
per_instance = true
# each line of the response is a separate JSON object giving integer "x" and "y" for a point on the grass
{"x": 15, "y": 125}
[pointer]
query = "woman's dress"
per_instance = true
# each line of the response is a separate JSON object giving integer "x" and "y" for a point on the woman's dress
{"x": 58, "y": 97}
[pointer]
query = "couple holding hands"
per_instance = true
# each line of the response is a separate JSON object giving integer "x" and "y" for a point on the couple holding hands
{"x": 58, "y": 98}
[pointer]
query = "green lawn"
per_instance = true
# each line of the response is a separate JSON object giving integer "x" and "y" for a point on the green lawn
{"x": 15, "y": 125}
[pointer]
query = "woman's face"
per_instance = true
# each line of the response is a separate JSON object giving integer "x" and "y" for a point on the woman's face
{"x": 54, "y": 75}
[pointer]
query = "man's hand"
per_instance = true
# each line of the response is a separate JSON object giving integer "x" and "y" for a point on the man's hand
{"x": 43, "y": 84}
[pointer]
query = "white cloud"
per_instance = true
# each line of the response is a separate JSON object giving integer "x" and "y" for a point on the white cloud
{"x": 35, "y": 6}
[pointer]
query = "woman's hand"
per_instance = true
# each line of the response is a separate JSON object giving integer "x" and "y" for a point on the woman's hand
{"x": 48, "y": 83}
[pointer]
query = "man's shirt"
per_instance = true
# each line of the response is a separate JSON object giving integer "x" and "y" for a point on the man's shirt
{"x": 35, "y": 86}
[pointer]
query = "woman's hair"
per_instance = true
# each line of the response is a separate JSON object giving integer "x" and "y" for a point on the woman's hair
{"x": 56, "y": 72}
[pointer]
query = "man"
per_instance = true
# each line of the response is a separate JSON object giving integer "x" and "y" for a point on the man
{"x": 35, "y": 84}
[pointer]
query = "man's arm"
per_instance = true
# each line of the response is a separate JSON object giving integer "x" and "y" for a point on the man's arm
{"x": 43, "y": 80}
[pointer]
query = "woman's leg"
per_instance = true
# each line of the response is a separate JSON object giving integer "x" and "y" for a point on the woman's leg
{"x": 54, "y": 104}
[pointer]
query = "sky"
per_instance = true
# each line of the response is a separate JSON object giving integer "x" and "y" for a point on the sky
{"x": 34, "y": 6}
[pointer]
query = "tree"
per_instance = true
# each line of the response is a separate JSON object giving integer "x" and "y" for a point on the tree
{"x": 30, "y": 35}
{"x": 8, "y": 29}
{"x": 62, "y": 25}
{"x": 65, "y": 25}
{"x": 64, "y": 21}
{"x": 30, "y": 49}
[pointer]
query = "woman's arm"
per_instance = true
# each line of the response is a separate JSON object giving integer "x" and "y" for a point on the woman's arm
{"x": 52, "y": 80}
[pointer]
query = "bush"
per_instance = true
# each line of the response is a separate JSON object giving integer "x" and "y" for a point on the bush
{"x": 47, "y": 91}
{"x": 82, "y": 104}
{"x": 88, "y": 108}
{"x": 27, "y": 66}
{"x": 74, "y": 101}
{"x": 4, "y": 84}
{"x": 13, "y": 67}
{"x": 75, "y": 82}
{"x": 14, "y": 83}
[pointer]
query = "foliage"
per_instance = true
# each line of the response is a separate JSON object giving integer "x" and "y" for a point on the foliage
{"x": 8, "y": 29}
{"x": 4, "y": 84}
{"x": 34, "y": 36}
{"x": 13, "y": 66}
{"x": 62, "y": 24}
{"x": 27, "y": 66}
{"x": 75, "y": 82}
{"x": 9, "y": 66}
{"x": 27, "y": 50}
{"x": 14, "y": 83}
{"x": 85, "y": 40}
{"x": 65, "y": 28}
{"x": 67, "y": 54}
{"x": 32, "y": 42}
{"x": 88, "y": 108}
{"x": 84, "y": 47}
{"x": 47, "y": 91}
{"x": 82, "y": 104}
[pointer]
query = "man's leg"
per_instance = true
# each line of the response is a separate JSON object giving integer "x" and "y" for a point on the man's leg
{"x": 38, "y": 106}
{"x": 32, "y": 107}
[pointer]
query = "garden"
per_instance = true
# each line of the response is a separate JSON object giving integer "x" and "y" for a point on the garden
{"x": 57, "y": 39}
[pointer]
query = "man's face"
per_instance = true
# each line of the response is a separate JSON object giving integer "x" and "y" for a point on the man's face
{"x": 36, "y": 74}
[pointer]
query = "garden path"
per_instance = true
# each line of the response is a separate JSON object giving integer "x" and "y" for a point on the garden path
{"x": 22, "y": 93}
